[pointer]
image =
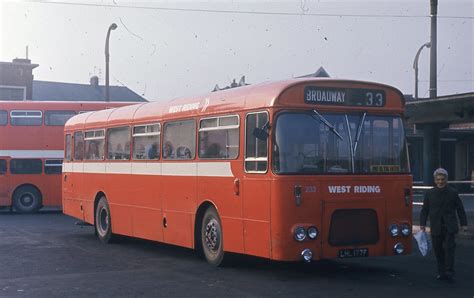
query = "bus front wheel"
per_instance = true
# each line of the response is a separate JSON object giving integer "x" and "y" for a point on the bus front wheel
{"x": 27, "y": 199}
{"x": 211, "y": 237}
{"x": 103, "y": 222}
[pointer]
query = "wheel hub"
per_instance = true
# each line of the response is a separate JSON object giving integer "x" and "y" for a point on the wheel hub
{"x": 212, "y": 235}
{"x": 103, "y": 221}
{"x": 27, "y": 200}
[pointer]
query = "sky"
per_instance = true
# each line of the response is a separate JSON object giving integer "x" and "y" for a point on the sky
{"x": 167, "y": 49}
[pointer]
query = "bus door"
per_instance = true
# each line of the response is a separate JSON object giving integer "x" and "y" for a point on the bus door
{"x": 220, "y": 174}
{"x": 4, "y": 187}
{"x": 73, "y": 181}
{"x": 179, "y": 181}
{"x": 256, "y": 186}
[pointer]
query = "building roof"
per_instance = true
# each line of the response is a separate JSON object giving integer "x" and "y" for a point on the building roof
{"x": 26, "y": 63}
{"x": 455, "y": 108}
{"x": 57, "y": 91}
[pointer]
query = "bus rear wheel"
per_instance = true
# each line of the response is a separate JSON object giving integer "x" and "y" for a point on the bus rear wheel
{"x": 27, "y": 199}
{"x": 212, "y": 238}
{"x": 103, "y": 222}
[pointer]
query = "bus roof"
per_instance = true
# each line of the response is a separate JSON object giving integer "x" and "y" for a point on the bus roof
{"x": 250, "y": 97}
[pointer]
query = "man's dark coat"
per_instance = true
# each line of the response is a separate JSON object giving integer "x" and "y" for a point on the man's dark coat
{"x": 441, "y": 206}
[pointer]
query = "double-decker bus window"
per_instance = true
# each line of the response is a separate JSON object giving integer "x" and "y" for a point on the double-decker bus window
{"x": 3, "y": 117}
{"x": 26, "y": 118}
{"x": 219, "y": 138}
{"x": 26, "y": 166}
{"x": 179, "y": 141}
{"x": 146, "y": 141}
{"x": 3, "y": 167}
{"x": 78, "y": 145}
{"x": 256, "y": 155}
{"x": 57, "y": 118}
{"x": 94, "y": 144}
{"x": 68, "y": 147}
{"x": 118, "y": 143}
{"x": 53, "y": 166}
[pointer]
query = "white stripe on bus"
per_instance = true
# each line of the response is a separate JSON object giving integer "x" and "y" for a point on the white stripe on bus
{"x": 202, "y": 169}
{"x": 33, "y": 153}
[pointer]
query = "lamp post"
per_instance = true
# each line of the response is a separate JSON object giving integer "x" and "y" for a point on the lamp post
{"x": 112, "y": 26}
{"x": 433, "y": 51}
{"x": 415, "y": 66}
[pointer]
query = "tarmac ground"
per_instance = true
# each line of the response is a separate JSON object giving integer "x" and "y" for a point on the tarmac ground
{"x": 47, "y": 255}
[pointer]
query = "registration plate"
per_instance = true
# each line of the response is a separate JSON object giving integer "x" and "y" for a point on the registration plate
{"x": 354, "y": 253}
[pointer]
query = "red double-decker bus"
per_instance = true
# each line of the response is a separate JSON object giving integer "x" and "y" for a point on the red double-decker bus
{"x": 302, "y": 169}
{"x": 32, "y": 149}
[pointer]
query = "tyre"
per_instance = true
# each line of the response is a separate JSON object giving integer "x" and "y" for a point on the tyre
{"x": 212, "y": 238}
{"x": 27, "y": 199}
{"x": 103, "y": 221}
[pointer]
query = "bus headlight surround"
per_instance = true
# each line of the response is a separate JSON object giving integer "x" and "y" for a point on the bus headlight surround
{"x": 398, "y": 248}
{"x": 405, "y": 228}
{"x": 313, "y": 232}
{"x": 300, "y": 234}
{"x": 394, "y": 230}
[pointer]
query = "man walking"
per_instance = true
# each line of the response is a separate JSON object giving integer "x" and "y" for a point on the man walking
{"x": 440, "y": 205}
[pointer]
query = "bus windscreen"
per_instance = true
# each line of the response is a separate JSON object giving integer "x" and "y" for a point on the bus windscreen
{"x": 330, "y": 143}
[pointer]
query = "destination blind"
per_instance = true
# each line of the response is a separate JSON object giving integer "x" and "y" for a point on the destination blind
{"x": 344, "y": 96}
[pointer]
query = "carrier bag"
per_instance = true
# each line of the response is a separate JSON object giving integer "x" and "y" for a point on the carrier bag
{"x": 423, "y": 242}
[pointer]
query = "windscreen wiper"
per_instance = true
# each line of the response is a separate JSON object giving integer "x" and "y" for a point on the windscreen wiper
{"x": 328, "y": 124}
{"x": 359, "y": 131}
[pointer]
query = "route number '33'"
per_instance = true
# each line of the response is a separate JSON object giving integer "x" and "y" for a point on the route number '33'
{"x": 374, "y": 99}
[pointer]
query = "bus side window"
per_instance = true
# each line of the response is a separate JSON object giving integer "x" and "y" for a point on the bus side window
{"x": 118, "y": 139}
{"x": 53, "y": 166}
{"x": 57, "y": 118}
{"x": 26, "y": 166}
{"x": 3, "y": 117}
{"x": 146, "y": 141}
{"x": 68, "y": 149}
{"x": 179, "y": 140}
{"x": 256, "y": 149}
{"x": 3, "y": 167}
{"x": 26, "y": 118}
{"x": 94, "y": 144}
{"x": 78, "y": 145}
{"x": 219, "y": 137}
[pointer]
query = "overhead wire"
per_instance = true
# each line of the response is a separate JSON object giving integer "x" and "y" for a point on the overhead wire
{"x": 248, "y": 12}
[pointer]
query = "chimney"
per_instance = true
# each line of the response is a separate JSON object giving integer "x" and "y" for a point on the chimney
{"x": 22, "y": 60}
{"x": 94, "y": 80}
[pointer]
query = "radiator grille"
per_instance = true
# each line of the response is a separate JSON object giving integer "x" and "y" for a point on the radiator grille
{"x": 353, "y": 227}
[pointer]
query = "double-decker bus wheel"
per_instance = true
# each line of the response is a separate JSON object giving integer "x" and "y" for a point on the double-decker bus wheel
{"x": 103, "y": 222}
{"x": 27, "y": 199}
{"x": 211, "y": 237}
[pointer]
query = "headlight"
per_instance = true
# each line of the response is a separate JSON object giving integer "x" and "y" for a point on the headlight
{"x": 394, "y": 230}
{"x": 398, "y": 248}
{"x": 300, "y": 234}
{"x": 307, "y": 255}
{"x": 312, "y": 232}
{"x": 405, "y": 229}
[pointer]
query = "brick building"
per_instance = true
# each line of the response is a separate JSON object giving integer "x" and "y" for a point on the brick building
{"x": 17, "y": 83}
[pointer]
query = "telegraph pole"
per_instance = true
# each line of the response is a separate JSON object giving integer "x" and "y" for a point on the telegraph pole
{"x": 433, "y": 49}
{"x": 432, "y": 132}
